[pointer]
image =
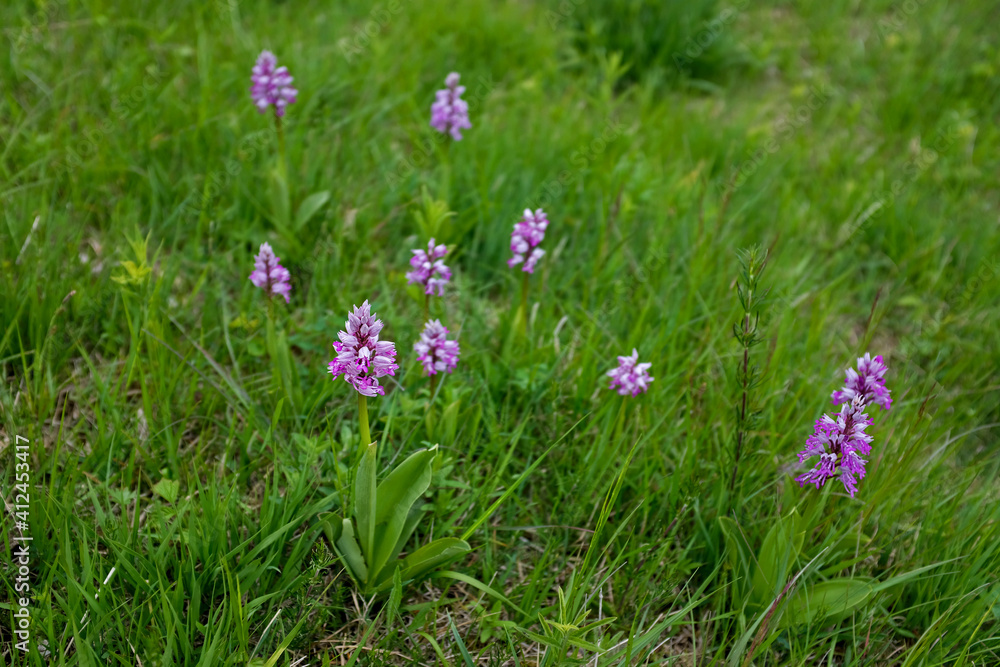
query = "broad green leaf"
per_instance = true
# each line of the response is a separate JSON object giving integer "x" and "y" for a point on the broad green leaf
{"x": 471, "y": 418}
{"x": 411, "y": 525}
{"x": 365, "y": 499}
{"x": 737, "y": 552}
{"x": 396, "y": 487}
{"x": 777, "y": 554}
{"x": 310, "y": 207}
{"x": 449, "y": 422}
{"x": 168, "y": 489}
{"x": 826, "y": 600}
{"x": 279, "y": 198}
{"x": 394, "y": 498}
{"x": 332, "y": 526}
{"x": 429, "y": 556}
{"x": 350, "y": 553}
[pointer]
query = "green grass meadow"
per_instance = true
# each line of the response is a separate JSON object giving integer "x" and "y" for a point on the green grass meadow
{"x": 186, "y": 447}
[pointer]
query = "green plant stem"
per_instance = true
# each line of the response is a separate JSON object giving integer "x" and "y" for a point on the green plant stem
{"x": 620, "y": 420}
{"x": 282, "y": 156}
{"x": 524, "y": 302}
{"x": 447, "y": 167}
{"x": 366, "y": 435}
{"x": 432, "y": 387}
{"x": 427, "y": 307}
{"x": 743, "y": 405}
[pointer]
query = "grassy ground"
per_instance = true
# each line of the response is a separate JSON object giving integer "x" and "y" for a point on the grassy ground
{"x": 182, "y": 458}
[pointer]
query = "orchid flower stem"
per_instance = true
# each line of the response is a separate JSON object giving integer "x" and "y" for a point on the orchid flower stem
{"x": 620, "y": 419}
{"x": 524, "y": 302}
{"x": 427, "y": 307}
{"x": 282, "y": 156}
{"x": 366, "y": 436}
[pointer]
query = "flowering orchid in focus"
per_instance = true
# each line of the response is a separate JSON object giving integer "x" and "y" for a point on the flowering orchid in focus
{"x": 524, "y": 240}
{"x": 428, "y": 269}
{"x": 435, "y": 351}
{"x": 867, "y": 381}
{"x": 272, "y": 85}
{"x": 361, "y": 357}
{"x": 631, "y": 377}
{"x": 450, "y": 113}
{"x": 840, "y": 443}
{"x": 269, "y": 274}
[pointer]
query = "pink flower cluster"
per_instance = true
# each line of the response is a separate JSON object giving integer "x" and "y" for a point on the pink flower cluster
{"x": 269, "y": 274}
{"x": 450, "y": 113}
{"x": 524, "y": 240}
{"x": 630, "y": 377}
{"x": 361, "y": 357}
{"x": 435, "y": 351}
{"x": 272, "y": 85}
{"x": 840, "y": 443}
{"x": 428, "y": 269}
{"x": 867, "y": 381}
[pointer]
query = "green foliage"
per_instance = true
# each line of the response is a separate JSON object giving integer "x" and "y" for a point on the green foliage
{"x": 657, "y": 40}
{"x": 384, "y": 518}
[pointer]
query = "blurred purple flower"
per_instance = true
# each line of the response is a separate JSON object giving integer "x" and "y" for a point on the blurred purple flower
{"x": 361, "y": 357}
{"x": 839, "y": 443}
{"x": 437, "y": 353}
{"x": 450, "y": 113}
{"x": 269, "y": 274}
{"x": 272, "y": 85}
{"x": 428, "y": 269}
{"x": 868, "y": 381}
{"x": 527, "y": 234}
{"x": 630, "y": 377}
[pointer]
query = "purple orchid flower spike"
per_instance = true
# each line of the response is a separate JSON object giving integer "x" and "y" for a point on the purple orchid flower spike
{"x": 272, "y": 85}
{"x": 269, "y": 274}
{"x": 435, "y": 351}
{"x": 450, "y": 113}
{"x": 630, "y": 377}
{"x": 361, "y": 357}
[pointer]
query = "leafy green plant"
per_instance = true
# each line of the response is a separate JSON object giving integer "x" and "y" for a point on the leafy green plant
{"x": 384, "y": 518}
{"x": 436, "y": 220}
